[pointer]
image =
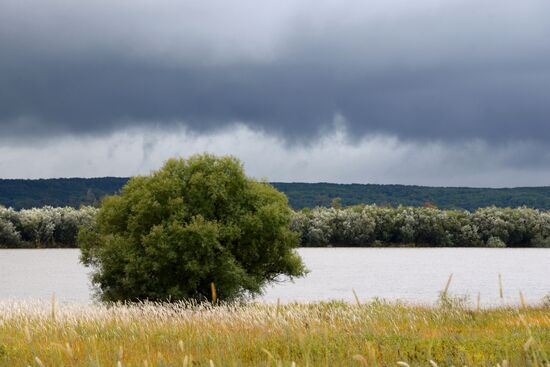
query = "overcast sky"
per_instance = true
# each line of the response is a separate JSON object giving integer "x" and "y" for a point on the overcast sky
{"x": 445, "y": 92}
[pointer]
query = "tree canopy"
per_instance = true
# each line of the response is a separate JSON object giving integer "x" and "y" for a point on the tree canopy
{"x": 196, "y": 221}
{"x": 74, "y": 192}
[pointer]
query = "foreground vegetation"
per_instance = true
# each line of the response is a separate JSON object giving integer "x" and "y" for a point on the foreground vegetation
{"x": 75, "y": 192}
{"x": 363, "y": 225}
{"x": 326, "y": 334}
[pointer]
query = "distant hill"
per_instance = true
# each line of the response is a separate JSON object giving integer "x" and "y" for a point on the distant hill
{"x": 88, "y": 191}
{"x": 321, "y": 194}
{"x": 73, "y": 192}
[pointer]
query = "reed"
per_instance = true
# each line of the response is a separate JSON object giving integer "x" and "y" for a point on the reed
{"x": 522, "y": 300}
{"x": 447, "y": 286}
{"x": 500, "y": 288}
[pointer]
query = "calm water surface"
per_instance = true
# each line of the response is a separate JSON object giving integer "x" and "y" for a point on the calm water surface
{"x": 415, "y": 275}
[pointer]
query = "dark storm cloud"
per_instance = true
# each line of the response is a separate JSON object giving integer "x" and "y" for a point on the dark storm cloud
{"x": 439, "y": 70}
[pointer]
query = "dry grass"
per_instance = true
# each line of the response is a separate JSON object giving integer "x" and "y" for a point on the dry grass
{"x": 323, "y": 334}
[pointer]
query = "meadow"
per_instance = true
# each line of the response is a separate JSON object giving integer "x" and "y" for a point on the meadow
{"x": 253, "y": 334}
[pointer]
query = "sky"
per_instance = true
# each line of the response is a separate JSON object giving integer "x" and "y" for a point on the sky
{"x": 439, "y": 93}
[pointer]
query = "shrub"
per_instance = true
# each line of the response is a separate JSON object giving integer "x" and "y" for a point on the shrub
{"x": 495, "y": 242}
{"x": 69, "y": 223}
{"x": 540, "y": 241}
{"x": 38, "y": 225}
{"x": 361, "y": 225}
{"x": 370, "y": 224}
{"x": 358, "y": 227}
{"x": 9, "y": 237}
{"x": 169, "y": 235}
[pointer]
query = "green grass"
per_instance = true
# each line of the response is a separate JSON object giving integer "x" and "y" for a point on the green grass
{"x": 321, "y": 334}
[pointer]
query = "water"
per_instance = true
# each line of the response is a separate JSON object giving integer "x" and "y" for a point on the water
{"x": 37, "y": 273}
{"x": 414, "y": 275}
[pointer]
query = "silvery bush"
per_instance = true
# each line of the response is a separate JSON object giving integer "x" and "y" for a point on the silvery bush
{"x": 9, "y": 237}
{"x": 363, "y": 225}
{"x": 370, "y": 225}
{"x": 43, "y": 227}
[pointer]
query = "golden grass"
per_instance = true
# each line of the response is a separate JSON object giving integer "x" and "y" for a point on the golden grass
{"x": 322, "y": 334}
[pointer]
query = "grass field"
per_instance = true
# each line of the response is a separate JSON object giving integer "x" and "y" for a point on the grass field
{"x": 322, "y": 334}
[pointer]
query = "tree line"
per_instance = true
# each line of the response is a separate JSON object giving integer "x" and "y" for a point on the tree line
{"x": 43, "y": 227}
{"x": 372, "y": 225}
{"x": 361, "y": 225}
{"x": 75, "y": 192}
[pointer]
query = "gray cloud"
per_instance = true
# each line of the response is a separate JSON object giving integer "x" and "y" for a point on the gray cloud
{"x": 376, "y": 159}
{"x": 428, "y": 70}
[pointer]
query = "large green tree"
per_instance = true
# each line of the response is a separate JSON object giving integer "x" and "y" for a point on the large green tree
{"x": 169, "y": 235}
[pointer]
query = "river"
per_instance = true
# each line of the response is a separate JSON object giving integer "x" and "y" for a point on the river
{"x": 413, "y": 275}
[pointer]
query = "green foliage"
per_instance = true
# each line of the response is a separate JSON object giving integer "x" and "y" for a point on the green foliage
{"x": 76, "y": 192}
{"x": 169, "y": 235}
{"x": 57, "y": 192}
{"x": 495, "y": 242}
{"x": 309, "y": 195}
{"x": 375, "y": 226}
{"x": 366, "y": 226}
{"x": 43, "y": 227}
{"x": 9, "y": 237}
{"x": 369, "y": 225}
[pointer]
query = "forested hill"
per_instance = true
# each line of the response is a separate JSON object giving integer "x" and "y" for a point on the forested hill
{"x": 77, "y": 191}
{"x": 73, "y": 192}
{"x": 321, "y": 194}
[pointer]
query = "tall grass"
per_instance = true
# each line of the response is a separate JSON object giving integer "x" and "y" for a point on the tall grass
{"x": 323, "y": 334}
